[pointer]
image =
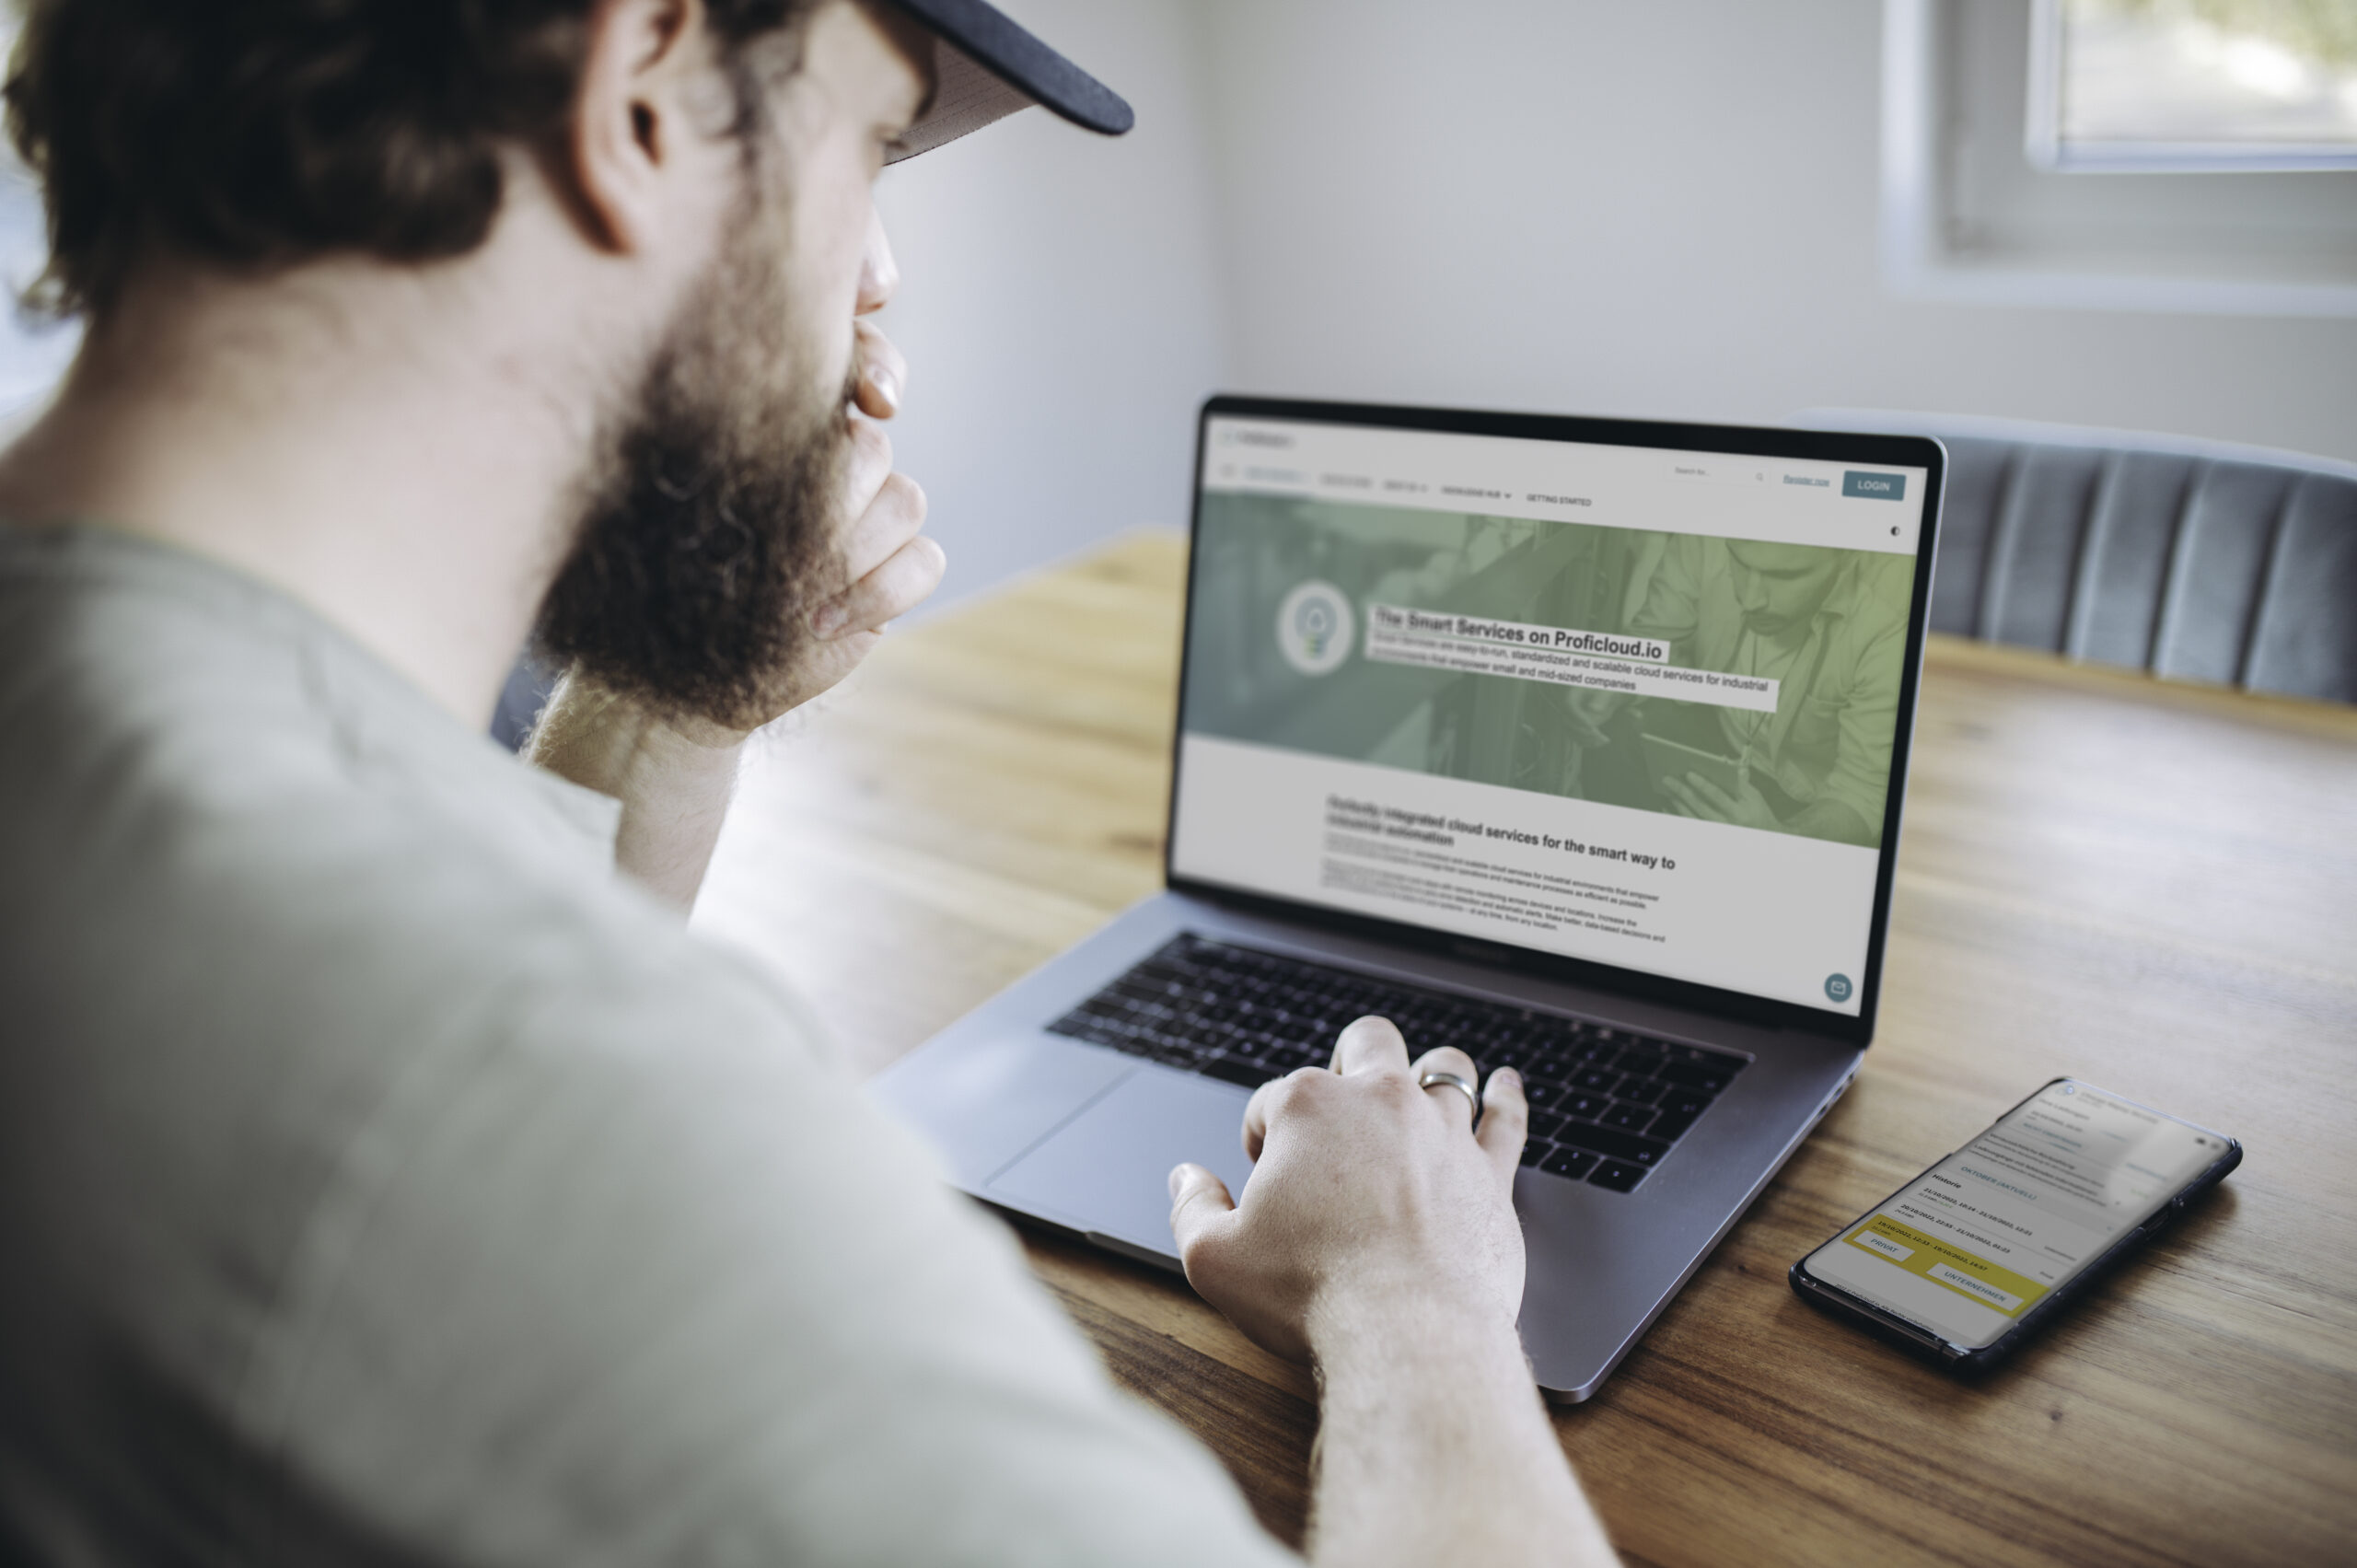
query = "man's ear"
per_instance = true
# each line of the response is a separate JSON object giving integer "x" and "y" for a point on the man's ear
{"x": 627, "y": 129}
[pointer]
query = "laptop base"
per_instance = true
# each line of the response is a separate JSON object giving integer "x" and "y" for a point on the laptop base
{"x": 1082, "y": 1137}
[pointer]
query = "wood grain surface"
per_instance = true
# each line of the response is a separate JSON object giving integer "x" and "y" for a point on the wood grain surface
{"x": 2152, "y": 886}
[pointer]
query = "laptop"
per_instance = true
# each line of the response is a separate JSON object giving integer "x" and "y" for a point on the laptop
{"x": 1576, "y": 743}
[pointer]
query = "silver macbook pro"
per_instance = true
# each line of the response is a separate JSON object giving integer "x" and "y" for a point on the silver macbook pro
{"x": 1576, "y": 743}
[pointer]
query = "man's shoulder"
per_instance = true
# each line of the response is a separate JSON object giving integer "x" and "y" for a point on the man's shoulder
{"x": 158, "y": 702}
{"x": 259, "y": 893}
{"x": 423, "y": 1154}
{"x": 284, "y": 955}
{"x": 223, "y": 829}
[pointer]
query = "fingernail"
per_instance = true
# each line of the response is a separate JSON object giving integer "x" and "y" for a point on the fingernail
{"x": 885, "y": 388}
{"x": 1508, "y": 1077}
{"x": 1178, "y": 1178}
{"x": 828, "y": 620}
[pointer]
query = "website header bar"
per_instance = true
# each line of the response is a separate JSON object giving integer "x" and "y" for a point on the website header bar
{"x": 1726, "y": 496}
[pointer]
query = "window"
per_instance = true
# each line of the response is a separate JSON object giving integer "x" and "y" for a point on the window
{"x": 2121, "y": 154}
{"x": 2193, "y": 85}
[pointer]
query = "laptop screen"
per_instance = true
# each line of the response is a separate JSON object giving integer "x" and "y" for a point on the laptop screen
{"x": 1629, "y": 704}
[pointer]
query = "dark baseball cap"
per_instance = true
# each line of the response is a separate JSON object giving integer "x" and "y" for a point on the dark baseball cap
{"x": 985, "y": 68}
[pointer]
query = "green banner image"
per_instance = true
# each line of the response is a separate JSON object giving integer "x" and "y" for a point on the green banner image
{"x": 1729, "y": 680}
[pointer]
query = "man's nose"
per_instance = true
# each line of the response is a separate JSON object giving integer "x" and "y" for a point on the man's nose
{"x": 879, "y": 274}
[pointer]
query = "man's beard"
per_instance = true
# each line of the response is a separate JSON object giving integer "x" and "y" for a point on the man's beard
{"x": 704, "y": 541}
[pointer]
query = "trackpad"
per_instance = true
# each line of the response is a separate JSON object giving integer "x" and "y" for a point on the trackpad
{"x": 1108, "y": 1169}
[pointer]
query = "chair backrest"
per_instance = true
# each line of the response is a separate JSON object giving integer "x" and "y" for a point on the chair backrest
{"x": 2194, "y": 560}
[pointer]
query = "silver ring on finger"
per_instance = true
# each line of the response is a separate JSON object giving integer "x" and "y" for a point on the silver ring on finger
{"x": 1472, "y": 1096}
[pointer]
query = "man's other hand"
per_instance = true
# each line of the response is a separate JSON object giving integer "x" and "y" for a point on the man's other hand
{"x": 891, "y": 567}
{"x": 1367, "y": 1196}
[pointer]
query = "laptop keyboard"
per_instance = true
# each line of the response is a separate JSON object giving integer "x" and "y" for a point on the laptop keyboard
{"x": 1606, "y": 1103}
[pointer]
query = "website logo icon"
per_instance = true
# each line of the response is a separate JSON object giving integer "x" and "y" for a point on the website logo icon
{"x": 1315, "y": 628}
{"x": 1837, "y": 986}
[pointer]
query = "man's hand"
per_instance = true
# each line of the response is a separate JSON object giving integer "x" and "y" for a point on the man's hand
{"x": 1364, "y": 1189}
{"x": 1378, "y": 1239}
{"x": 890, "y": 566}
{"x": 673, "y": 777}
{"x": 1698, "y": 796}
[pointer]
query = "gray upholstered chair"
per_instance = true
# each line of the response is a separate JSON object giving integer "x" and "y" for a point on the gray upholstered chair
{"x": 2191, "y": 558}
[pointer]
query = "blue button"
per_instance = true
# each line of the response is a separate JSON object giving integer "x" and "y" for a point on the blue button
{"x": 1837, "y": 986}
{"x": 1875, "y": 486}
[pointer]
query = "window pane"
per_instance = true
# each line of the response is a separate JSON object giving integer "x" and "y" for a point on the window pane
{"x": 2256, "y": 76}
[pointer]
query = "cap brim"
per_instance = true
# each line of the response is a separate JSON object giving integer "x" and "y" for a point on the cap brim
{"x": 986, "y": 68}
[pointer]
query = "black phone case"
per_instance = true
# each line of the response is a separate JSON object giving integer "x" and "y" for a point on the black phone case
{"x": 1924, "y": 1345}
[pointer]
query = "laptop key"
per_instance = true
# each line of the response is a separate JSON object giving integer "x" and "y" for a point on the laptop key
{"x": 1612, "y": 1143}
{"x": 1633, "y": 1117}
{"x": 1684, "y": 1102}
{"x": 1618, "y": 1175}
{"x": 1567, "y": 1162}
{"x": 1535, "y": 1149}
{"x": 1599, "y": 1079}
{"x": 1671, "y": 1125}
{"x": 1235, "y": 1070}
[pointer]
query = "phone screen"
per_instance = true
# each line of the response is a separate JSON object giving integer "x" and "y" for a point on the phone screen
{"x": 1977, "y": 1241}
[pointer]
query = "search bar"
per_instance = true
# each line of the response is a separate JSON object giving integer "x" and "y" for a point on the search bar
{"x": 1755, "y": 474}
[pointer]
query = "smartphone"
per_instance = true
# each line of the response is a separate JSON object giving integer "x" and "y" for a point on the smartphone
{"x": 1964, "y": 1263}
{"x": 1667, "y": 758}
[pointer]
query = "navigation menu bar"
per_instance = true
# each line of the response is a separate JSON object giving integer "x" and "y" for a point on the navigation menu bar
{"x": 1721, "y": 494}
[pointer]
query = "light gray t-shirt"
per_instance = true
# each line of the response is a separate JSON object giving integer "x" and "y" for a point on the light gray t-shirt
{"x": 383, "y": 1182}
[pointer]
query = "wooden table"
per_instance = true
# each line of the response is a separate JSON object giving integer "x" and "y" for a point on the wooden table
{"x": 2152, "y": 886}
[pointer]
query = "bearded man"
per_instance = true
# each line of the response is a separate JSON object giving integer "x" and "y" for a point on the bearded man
{"x": 384, "y": 1180}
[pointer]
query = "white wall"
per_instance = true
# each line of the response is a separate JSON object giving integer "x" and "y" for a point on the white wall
{"x": 1665, "y": 208}
{"x": 1059, "y": 305}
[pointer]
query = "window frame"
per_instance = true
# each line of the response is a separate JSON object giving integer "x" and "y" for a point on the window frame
{"x": 1943, "y": 114}
{"x": 2043, "y": 141}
